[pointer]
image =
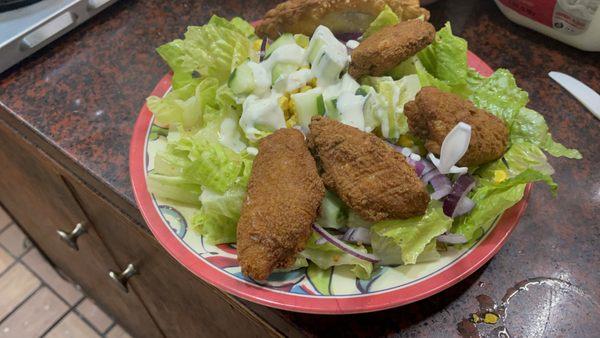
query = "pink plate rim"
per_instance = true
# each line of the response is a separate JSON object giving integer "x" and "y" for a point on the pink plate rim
{"x": 447, "y": 277}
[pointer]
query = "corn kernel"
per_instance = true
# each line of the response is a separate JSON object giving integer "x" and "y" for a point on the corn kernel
{"x": 284, "y": 103}
{"x": 405, "y": 141}
{"x": 500, "y": 176}
{"x": 257, "y": 44}
{"x": 490, "y": 318}
{"x": 312, "y": 82}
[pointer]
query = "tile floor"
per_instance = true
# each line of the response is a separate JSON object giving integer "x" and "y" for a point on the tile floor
{"x": 36, "y": 302}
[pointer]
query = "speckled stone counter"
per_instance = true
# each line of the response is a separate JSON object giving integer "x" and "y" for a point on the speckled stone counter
{"x": 78, "y": 100}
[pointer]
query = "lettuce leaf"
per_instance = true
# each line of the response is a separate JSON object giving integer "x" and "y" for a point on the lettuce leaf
{"x": 492, "y": 199}
{"x": 327, "y": 255}
{"x": 218, "y": 217}
{"x": 518, "y": 158}
{"x": 402, "y": 241}
{"x": 175, "y": 188}
{"x": 385, "y": 107}
{"x": 386, "y": 17}
{"x": 530, "y": 126}
{"x": 211, "y": 50}
{"x": 446, "y": 57}
{"x": 499, "y": 95}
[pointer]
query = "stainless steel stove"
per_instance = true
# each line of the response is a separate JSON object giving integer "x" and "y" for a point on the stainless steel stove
{"x": 28, "y": 25}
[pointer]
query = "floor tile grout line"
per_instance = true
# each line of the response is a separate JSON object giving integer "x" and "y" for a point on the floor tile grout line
{"x": 6, "y": 226}
{"x": 21, "y": 303}
{"x": 85, "y": 320}
{"x": 43, "y": 281}
{"x": 13, "y": 263}
{"x": 71, "y": 309}
{"x": 58, "y": 320}
{"x": 17, "y": 258}
{"x": 110, "y": 327}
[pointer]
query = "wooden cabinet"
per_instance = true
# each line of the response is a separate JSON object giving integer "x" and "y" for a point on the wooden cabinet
{"x": 183, "y": 305}
{"x": 162, "y": 298}
{"x": 33, "y": 190}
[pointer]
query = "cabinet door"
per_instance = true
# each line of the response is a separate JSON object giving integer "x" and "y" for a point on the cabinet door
{"x": 182, "y": 304}
{"x": 34, "y": 192}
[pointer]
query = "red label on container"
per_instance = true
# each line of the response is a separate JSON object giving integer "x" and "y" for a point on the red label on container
{"x": 541, "y": 11}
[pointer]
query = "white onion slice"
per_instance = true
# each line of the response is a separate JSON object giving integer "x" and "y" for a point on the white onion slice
{"x": 454, "y": 147}
{"x": 343, "y": 246}
{"x": 452, "y": 170}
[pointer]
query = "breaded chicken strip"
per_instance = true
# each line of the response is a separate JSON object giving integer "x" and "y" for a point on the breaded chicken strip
{"x": 433, "y": 114}
{"x": 367, "y": 174}
{"x": 283, "y": 196}
{"x": 388, "y": 47}
{"x": 341, "y": 16}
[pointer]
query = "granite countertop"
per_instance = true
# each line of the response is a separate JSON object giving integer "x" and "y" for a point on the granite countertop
{"x": 78, "y": 99}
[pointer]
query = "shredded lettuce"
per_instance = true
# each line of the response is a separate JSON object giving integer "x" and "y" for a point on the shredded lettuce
{"x": 218, "y": 217}
{"x": 446, "y": 57}
{"x": 175, "y": 188}
{"x": 211, "y": 50}
{"x": 492, "y": 199}
{"x": 402, "y": 241}
{"x": 530, "y": 126}
{"x": 385, "y": 108}
{"x": 327, "y": 255}
{"x": 518, "y": 158}
{"x": 386, "y": 17}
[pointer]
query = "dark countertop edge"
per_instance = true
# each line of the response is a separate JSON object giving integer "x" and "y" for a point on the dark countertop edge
{"x": 53, "y": 151}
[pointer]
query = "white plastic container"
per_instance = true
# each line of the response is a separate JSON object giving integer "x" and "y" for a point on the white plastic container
{"x": 574, "y": 22}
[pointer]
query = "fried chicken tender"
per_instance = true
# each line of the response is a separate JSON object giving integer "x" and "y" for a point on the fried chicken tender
{"x": 284, "y": 194}
{"x": 433, "y": 114}
{"x": 387, "y": 48}
{"x": 367, "y": 174}
{"x": 341, "y": 16}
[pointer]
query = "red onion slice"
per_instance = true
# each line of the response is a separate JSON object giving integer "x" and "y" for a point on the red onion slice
{"x": 450, "y": 238}
{"x": 460, "y": 189}
{"x": 346, "y": 36}
{"x": 343, "y": 246}
{"x": 263, "y": 49}
{"x": 358, "y": 235}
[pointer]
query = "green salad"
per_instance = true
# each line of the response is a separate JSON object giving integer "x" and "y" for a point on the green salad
{"x": 230, "y": 88}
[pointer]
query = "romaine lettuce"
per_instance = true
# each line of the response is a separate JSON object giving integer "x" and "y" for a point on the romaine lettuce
{"x": 327, "y": 255}
{"x": 492, "y": 199}
{"x": 218, "y": 217}
{"x": 386, "y": 17}
{"x": 402, "y": 241}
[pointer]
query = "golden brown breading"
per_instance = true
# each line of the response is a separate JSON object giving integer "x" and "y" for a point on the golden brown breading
{"x": 433, "y": 114}
{"x": 388, "y": 47}
{"x": 367, "y": 174}
{"x": 341, "y": 16}
{"x": 284, "y": 194}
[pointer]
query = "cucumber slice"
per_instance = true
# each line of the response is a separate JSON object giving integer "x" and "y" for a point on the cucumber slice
{"x": 320, "y": 105}
{"x": 285, "y": 39}
{"x": 307, "y": 105}
{"x": 331, "y": 109}
{"x": 282, "y": 69}
{"x": 241, "y": 81}
{"x": 302, "y": 40}
{"x": 328, "y": 66}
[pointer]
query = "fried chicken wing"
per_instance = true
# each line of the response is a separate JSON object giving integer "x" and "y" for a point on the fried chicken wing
{"x": 367, "y": 174}
{"x": 341, "y": 16}
{"x": 433, "y": 114}
{"x": 284, "y": 194}
{"x": 388, "y": 47}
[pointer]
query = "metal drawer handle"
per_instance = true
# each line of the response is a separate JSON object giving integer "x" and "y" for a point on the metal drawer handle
{"x": 71, "y": 238}
{"x": 121, "y": 278}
